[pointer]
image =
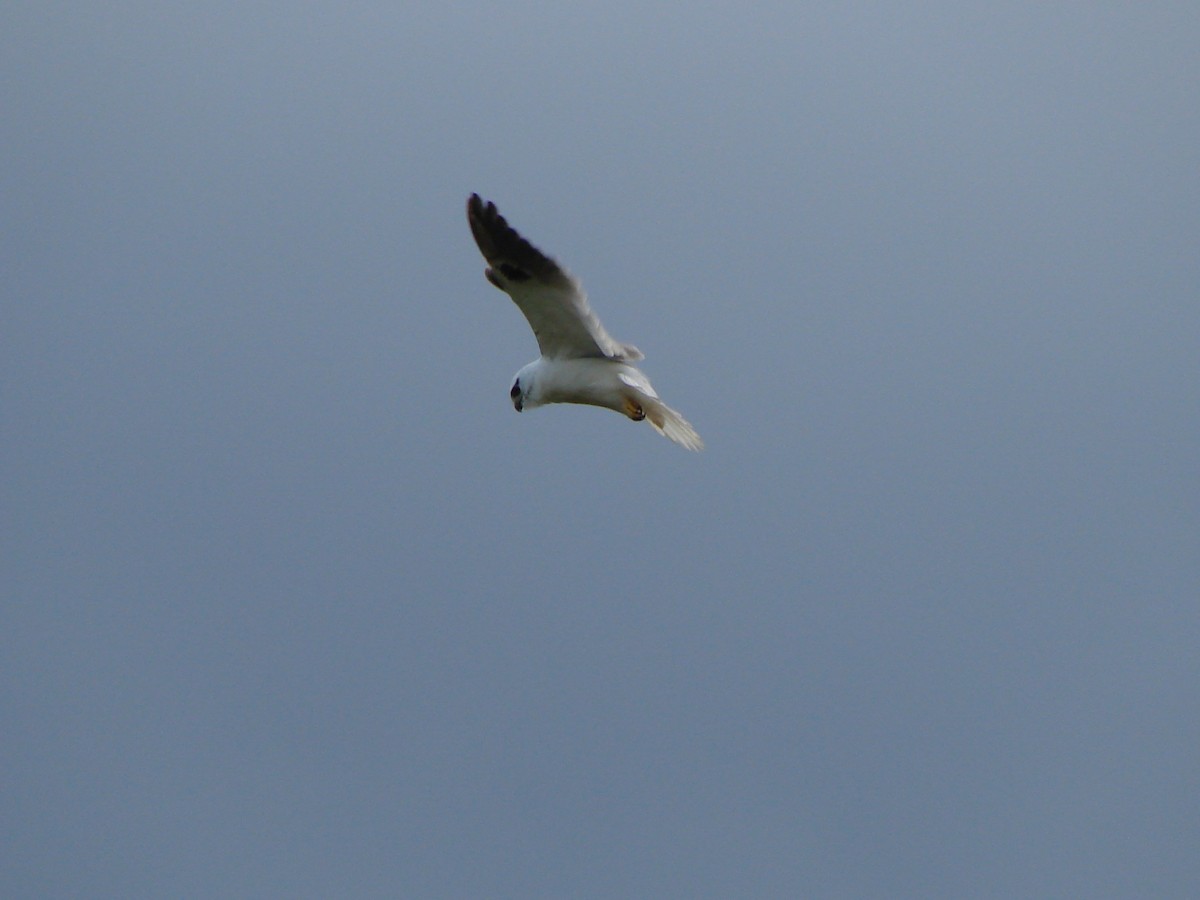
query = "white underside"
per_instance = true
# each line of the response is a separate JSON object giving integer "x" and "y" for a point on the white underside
{"x": 603, "y": 382}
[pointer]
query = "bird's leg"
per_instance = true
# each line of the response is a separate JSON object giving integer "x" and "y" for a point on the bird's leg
{"x": 634, "y": 410}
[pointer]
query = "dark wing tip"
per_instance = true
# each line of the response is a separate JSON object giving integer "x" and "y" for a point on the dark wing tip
{"x": 477, "y": 209}
{"x": 480, "y": 217}
{"x": 502, "y": 245}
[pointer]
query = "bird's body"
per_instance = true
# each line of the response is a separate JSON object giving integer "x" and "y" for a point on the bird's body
{"x": 580, "y": 361}
{"x": 585, "y": 380}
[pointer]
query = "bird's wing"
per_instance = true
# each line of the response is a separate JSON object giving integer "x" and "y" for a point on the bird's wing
{"x": 550, "y": 297}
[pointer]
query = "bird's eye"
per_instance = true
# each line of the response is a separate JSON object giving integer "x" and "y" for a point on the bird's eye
{"x": 516, "y": 389}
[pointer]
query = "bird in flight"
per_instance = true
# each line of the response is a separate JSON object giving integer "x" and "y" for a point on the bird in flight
{"x": 580, "y": 361}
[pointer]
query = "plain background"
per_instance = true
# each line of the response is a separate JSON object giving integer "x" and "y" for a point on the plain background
{"x": 296, "y": 605}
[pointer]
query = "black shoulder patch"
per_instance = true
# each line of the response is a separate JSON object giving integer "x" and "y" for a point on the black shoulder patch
{"x": 512, "y": 273}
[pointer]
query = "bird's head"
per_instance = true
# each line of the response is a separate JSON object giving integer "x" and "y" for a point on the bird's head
{"x": 525, "y": 392}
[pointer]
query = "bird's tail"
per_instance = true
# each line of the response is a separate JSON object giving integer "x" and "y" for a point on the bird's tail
{"x": 671, "y": 424}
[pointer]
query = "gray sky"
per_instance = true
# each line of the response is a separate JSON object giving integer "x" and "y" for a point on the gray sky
{"x": 296, "y": 605}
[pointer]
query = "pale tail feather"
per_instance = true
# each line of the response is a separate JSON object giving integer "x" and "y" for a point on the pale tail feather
{"x": 671, "y": 424}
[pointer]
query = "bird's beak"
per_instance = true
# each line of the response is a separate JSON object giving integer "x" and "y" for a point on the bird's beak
{"x": 518, "y": 404}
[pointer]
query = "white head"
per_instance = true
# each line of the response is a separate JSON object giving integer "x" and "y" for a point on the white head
{"x": 524, "y": 392}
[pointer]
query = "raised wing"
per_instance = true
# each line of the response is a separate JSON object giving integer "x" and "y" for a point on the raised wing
{"x": 550, "y": 297}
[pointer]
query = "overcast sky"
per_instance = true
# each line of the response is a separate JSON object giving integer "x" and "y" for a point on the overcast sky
{"x": 296, "y": 605}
